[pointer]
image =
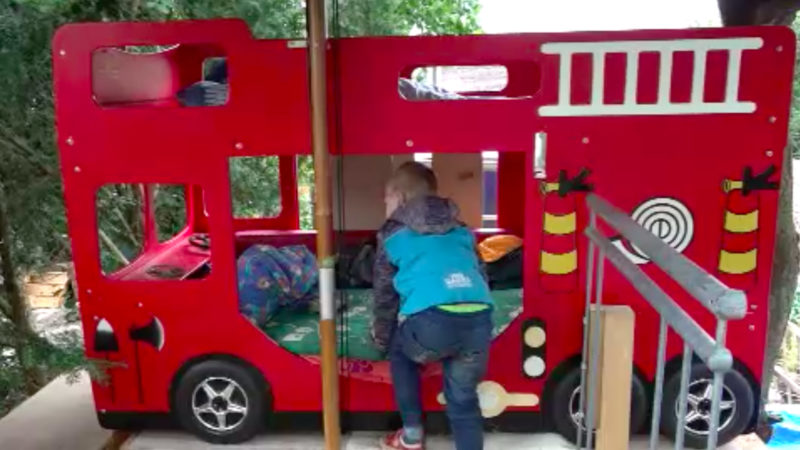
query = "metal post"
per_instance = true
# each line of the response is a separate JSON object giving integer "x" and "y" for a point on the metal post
{"x": 595, "y": 352}
{"x": 659, "y": 384}
{"x": 317, "y": 44}
{"x": 683, "y": 397}
{"x": 587, "y": 310}
{"x": 716, "y": 395}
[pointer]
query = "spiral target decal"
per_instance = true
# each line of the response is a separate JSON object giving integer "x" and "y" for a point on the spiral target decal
{"x": 668, "y": 219}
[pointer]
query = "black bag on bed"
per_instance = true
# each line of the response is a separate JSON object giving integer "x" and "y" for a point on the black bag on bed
{"x": 506, "y": 272}
{"x": 354, "y": 266}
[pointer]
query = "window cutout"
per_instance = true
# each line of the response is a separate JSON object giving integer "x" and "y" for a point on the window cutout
{"x": 148, "y": 49}
{"x": 305, "y": 191}
{"x": 159, "y": 76}
{"x": 120, "y": 224}
{"x": 454, "y": 83}
{"x": 131, "y": 233}
{"x": 215, "y": 69}
{"x": 489, "y": 204}
{"x": 463, "y": 79}
{"x": 170, "y": 210}
{"x": 255, "y": 186}
{"x": 424, "y": 158}
{"x": 512, "y": 80}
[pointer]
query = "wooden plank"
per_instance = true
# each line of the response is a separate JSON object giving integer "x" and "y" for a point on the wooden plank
{"x": 616, "y": 370}
{"x": 44, "y": 290}
{"x": 118, "y": 440}
{"x": 358, "y": 191}
{"x": 45, "y": 302}
{"x": 460, "y": 177}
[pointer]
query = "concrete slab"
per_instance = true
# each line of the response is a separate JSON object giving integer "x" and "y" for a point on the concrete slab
{"x": 173, "y": 440}
{"x": 61, "y": 416}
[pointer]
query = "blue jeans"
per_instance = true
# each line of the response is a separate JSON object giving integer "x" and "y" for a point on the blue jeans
{"x": 461, "y": 342}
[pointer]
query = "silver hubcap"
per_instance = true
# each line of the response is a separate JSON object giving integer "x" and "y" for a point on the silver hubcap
{"x": 698, "y": 407}
{"x": 219, "y": 403}
{"x": 575, "y": 412}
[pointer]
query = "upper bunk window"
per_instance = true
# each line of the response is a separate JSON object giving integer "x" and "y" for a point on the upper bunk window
{"x": 166, "y": 75}
{"x": 463, "y": 79}
{"x": 469, "y": 82}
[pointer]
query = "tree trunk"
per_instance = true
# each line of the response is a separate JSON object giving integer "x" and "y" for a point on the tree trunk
{"x": 785, "y": 267}
{"x": 757, "y": 12}
{"x": 34, "y": 379}
{"x": 786, "y": 261}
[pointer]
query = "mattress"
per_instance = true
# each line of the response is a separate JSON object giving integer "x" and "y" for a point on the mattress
{"x": 297, "y": 331}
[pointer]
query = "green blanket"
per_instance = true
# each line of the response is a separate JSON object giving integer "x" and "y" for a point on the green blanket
{"x": 297, "y": 331}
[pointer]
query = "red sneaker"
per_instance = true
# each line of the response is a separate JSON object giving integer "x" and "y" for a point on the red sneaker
{"x": 394, "y": 441}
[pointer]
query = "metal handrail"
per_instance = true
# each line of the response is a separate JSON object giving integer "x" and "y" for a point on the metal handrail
{"x": 725, "y": 303}
{"x": 721, "y": 300}
{"x": 694, "y": 335}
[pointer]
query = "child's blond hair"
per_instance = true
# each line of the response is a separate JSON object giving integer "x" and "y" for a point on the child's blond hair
{"x": 413, "y": 180}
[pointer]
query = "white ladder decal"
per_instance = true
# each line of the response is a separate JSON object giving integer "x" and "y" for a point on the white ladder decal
{"x": 663, "y": 105}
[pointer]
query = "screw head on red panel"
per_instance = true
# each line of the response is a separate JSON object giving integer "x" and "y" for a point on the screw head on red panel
{"x": 769, "y": 153}
{"x": 70, "y": 141}
{"x": 585, "y": 140}
{"x": 779, "y": 48}
{"x": 62, "y": 52}
{"x": 238, "y": 146}
{"x": 773, "y": 119}
{"x": 77, "y": 169}
{"x": 409, "y": 143}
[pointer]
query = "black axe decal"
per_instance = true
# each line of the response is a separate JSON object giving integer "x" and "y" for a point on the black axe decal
{"x": 153, "y": 334}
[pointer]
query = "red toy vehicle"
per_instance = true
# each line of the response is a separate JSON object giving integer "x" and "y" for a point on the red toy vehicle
{"x": 685, "y": 129}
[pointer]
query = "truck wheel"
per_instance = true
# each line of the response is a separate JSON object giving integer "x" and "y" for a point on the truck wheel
{"x": 564, "y": 405}
{"x": 736, "y": 407}
{"x": 220, "y": 402}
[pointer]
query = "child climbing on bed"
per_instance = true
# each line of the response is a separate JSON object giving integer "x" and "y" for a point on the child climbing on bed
{"x": 431, "y": 303}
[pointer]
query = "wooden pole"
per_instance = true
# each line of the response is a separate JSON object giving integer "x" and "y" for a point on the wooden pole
{"x": 317, "y": 45}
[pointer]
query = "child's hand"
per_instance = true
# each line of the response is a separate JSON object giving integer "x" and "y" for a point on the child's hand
{"x": 382, "y": 345}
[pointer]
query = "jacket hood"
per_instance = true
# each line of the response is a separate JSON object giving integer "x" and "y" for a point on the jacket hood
{"x": 428, "y": 215}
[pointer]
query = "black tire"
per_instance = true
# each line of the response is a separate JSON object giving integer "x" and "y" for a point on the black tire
{"x": 733, "y": 421}
{"x": 242, "y": 410}
{"x": 559, "y": 410}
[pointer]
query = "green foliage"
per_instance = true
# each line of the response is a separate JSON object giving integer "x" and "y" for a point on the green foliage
{"x": 119, "y": 216}
{"x": 169, "y": 205}
{"x": 64, "y": 355}
{"x": 29, "y": 167}
{"x": 403, "y": 17}
{"x": 267, "y": 18}
{"x": 305, "y": 188}
{"x": 255, "y": 187}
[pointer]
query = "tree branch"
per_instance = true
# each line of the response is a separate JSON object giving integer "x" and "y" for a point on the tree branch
{"x": 113, "y": 248}
{"x": 132, "y": 236}
{"x": 5, "y": 309}
{"x": 22, "y": 150}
